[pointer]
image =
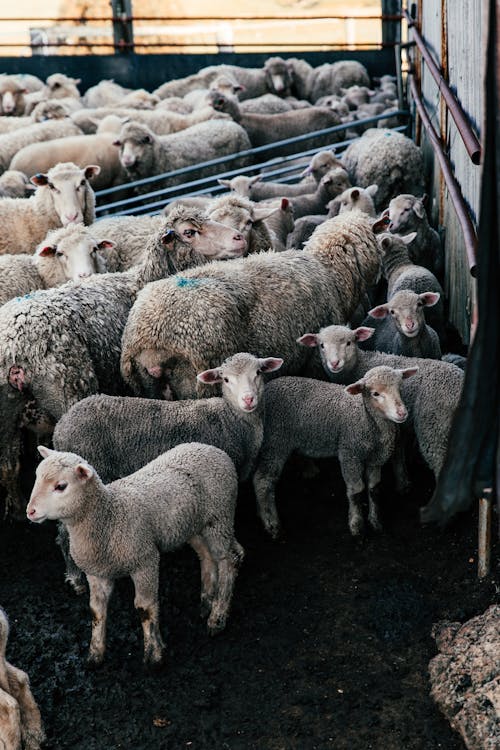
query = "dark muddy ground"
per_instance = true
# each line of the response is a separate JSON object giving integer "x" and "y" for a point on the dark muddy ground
{"x": 327, "y": 645}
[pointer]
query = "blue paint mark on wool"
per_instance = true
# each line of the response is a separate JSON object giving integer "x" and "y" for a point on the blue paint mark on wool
{"x": 183, "y": 282}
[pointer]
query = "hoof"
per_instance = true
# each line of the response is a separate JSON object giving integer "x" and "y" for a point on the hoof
{"x": 375, "y": 524}
{"x": 357, "y": 528}
{"x": 78, "y": 585}
{"x": 94, "y": 661}
{"x": 216, "y": 626}
{"x": 154, "y": 667}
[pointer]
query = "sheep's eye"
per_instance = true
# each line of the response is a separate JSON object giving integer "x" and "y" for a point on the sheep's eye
{"x": 348, "y": 343}
{"x": 419, "y": 304}
{"x": 226, "y": 380}
{"x": 392, "y": 312}
{"x": 61, "y": 486}
{"x": 82, "y": 183}
{"x": 56, "y": 85}
{"x": 375, "y": 394}
{"x": 189, "y": 232}
{"x": 59, "y": 254}
{"x": 51, "y": 185}
{"x": 321, "y": 346}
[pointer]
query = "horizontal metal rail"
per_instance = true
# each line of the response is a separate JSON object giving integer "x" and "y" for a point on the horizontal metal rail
{"x": 462, "y": 122}
{"x": 187, "y": 19}
{"x": 459, "y": 204}
{"x": 234, "y": 45}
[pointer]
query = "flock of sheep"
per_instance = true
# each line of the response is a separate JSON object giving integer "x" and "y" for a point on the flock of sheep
{"x": 141, "y": 346}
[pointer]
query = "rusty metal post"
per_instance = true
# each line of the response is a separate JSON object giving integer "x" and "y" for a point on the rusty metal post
{"x": 391, "y": 29}
{"x": 484, "y": 533}
{"x": 123, "y": 32}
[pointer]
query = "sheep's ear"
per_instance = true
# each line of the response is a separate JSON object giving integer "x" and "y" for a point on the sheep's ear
{"x": 225, "y": 183}
{"x": 270, "y": 364}
{"x": 106, "y": 244}
{"x": 381, "y": 224}
{"x": 408, "y": 237}
{"x": 210, "y": 376}
{"x": 17, "y": 378}
{"x": 355, "y": 388}
{"x": 380, "y": 311}
{"x": 355, "y": 194}
{"x": 372, "y": 190}
{"x": 418, "y": 209}
{"x": 306, "y": 171}
{"x": 168, "y": 237}
{"x": 363, "y": 332}
{"x": 83, "y": 472}
{"x": 46, "y": 251}
{"x": 238, "y": 87}
{"x": 44, "y": 451}
{"x": 424, "y": 199}
{"x": 385, "y": 242}
{"x": 429, "y": 299}
{"x": 408, "y": 372}
{"x": 254, "y": 179}
{"x": 309, "y": 339}
{"x": 333, "y": 207}
{"x": 117, "y": 143}
{"x": 285, "y": 204}
{"x": 76, "y": 81}
{"x": 259, "y": 214}
{"x": 39, "y": 179}
{"x": 92, "y": 170}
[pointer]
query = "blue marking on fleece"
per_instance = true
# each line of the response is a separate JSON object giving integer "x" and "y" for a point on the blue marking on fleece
{"x": 183, "y": 282}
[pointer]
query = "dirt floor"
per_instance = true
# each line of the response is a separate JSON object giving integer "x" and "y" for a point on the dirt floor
{"x": 327, "y": 645}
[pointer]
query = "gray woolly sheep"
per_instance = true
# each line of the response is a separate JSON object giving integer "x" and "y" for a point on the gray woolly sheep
{"x": 354, "y": 96}
{"x": 303, "y": 230}
{"x": 255, "y": 189}
{"x": 11, "y": 143}
{"x": 331, "y": 184}
{"x": 253, "y": 81}
{"x": 269, "y": 104}
{"x": 401, "y": 273}
{"x": 387, "y": 159}
{"x": 106, "y": 93}
{"x": 161, "y": 122}
{"x": 431, "y": 397}
{"x": 331, "y": 78}
{"x": 301, "y": 73}
{"x": 187, "y": 495}
{"x": 20, "y": 720}
{"x": 354, "y": 199}
{"x": 63, "y": 196}
{"x": 61, "y": 345}
{"x": 246, "y": 217}
{"x": 223, "y": 83}
{"x": 403, "y": 329}
{"x": 407, "y": 214}
{"x": 15, "y": 184}
{"x": 279, "y": 76}
{"x": 321, "y": 163}
{"x": 280, "y": 224}
{"x": 12, "y": 94}
{"x": 67, "y": 254}
{"x": 143, "y": 154}
{"x": 320, "y": 419}
{"x": 193, "y": 321}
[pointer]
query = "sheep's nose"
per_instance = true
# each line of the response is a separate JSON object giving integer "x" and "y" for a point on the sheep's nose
{"x": 334, "y": 363}
{"x": 70, "y": 218}
{"x": 410, "y": 324}
{"x": 84, "y": 275}
{"x": 248, "y": 400}
{"x": 238, "y": 237}
{"x": 30, "y": 513}
{"x": 401, "y": 412}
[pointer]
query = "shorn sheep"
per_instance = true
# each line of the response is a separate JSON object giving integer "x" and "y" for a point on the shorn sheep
{"x": 320, "y": 419}
{"x": 193, "y": 321}
{"x": 187, "y": 495}
{"x": 20, "y": 721}
{"x": 63, "y": 196}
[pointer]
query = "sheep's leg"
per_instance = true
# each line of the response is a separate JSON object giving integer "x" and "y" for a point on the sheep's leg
{"x": 146, "y": 603}
{"x": 227, "y": 554}
{"x": 9, "y": 479}
{"x": 264, "y": 483}
{"x": 100, "y": 591}
{"x": 398, "y": 462}
{"x": 208, "y": 574}
{"x": 31, "y": 722}
{"x": 373, "y": 480}
{"x": 10, "y": 722}
{"x": 73, "y": 574}
{"x": 352, "y": 473}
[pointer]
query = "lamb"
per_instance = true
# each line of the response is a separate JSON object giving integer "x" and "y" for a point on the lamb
{"x": 269, "y": 104}
{"x": 280, "y": 224}
{"x": 223, "y": 83}
{"x": 70, "y": 253}
{"x": 60, "y": 345}
{"x": 354, "y": 96}
{"x": 265, "y": 129}
{"x": 388, "y": 159}
{"x": 46, "y": 110}
{"x": 20, "y": 720}
{"x": 253, "y": 81}
{"x": 320, "y": 419}
{"x": 407, "y": 214}
{"x": 161, "y": 122}
{"x": 401, "y": 273}
{"x": 11, "y": 96}
{"x": 57, "y": 86}
{"x": 106, "y": 93}
{"x": 63, "y": 196}
{"x": 431, "y": 397}
{"x": 404, "y": 330}
{"x": 140, "y": 99}
{"x": 143, "y": 154}
{"x": 354, "y": 199}
{"x": 11, "y": 143}
{"x": 301, "y": 72}
{"x": 255, "y": 189}
{"x": 321, "y": 163}
{"x": 246, "y": 217}
{"x": 303, "y": 230}
{"x": 332, "y": 78}
{"x": 192, "y": 321}
{"x": 15, "y": 184}
{"x": 187, "y": 495}
{"x": 331, "y": 185}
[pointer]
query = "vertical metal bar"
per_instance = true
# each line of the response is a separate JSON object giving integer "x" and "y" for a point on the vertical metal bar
{"x": 391, "y": 30}
{"x": 484, "y": 533}
{"x": 123, "y": 32}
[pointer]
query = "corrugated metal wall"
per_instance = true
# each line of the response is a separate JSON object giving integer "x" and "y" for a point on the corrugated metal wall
{"x": 452, "y": 30}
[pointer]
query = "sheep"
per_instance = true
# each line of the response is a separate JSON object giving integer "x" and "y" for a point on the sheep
{"x": 407, "y": 214}
{"x": 198, "y": 97}
{"x": 431, "y": 397}
{"x": 320, "y": 419}
{"x": 20, "y": 720}
{"x": 303, "y": 230}
{"x": 331, "y": 78}
{"x": 57, "y": 86}
{"x": 255, "y": 189}
{"x": 63, "y": 196}
{"x": 331, "y": 185}
{"x": 280, "y": 224}
{"x": 79, "y": 149}
{"x": 354, "y": 199}
{"x": 190, "y": 322}
{"x": 143, "y": 154}
{"x": 140, "y": 99}
{"x": 401, "y": 273}
{"x": 205, "y": 235}
{"x": 12, "y": 94}
{"x": 269, "y": 104}
{"x": 160, "y": 122}
{"x": 15, "y": 184}
{"x": 70, "y": 253}
{"x": 301, "y": 73}
{"x": 388, "y": 159}
{"x": 187, "y": 495}
{"x": 265, "y": 129}
{"x": 354, "y": 96}
{"x": 106, "y": 93}
{"x": 173, "y": 104}
{"x": 253, "y": 81}
{"x": 320, "y": 164}
{"x": 46, "y": 110}
{"x": 279, "y": 76}
{"x": 11, "y": 143}
{"x": 246, "y": 217}
{"x": 60, "y": 345}
{"x": 404, "y": 330}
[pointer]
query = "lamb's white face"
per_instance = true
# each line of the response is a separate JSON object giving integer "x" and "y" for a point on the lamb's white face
{"x": 57, "y": 490}
{"x": 212, "y": 239}
{"x": 241, "y": 378}
{"x": 68, "y": 190}
{"x": 76, "y": 258}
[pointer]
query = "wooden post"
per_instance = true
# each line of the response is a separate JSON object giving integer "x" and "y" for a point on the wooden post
{"x": 391, "y": 30}
{"x": 123, "y": 32}
{"x": 484, "y": 533}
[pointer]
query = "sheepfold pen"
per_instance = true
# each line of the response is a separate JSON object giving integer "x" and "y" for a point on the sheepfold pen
{"x": 332, "y": 639}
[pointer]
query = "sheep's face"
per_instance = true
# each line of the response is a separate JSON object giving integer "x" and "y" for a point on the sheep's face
{"x": 68, "y": 190}
{"x": 406, "y": 213}
{"x": 406, "y": 309}
{"x": 74, "y": 258}
{"x": 380, "y": 389}
{"x": 212, "y": 239}
{"x": 337, "y": 346}
{"x": 279, "y": 76}
{"x": 59, "y": 86}
{"x": 11, "y": 99}
{"x": 241, "y": 378}
{"x": 336, "y": 181}
{"x": 321, "y": 163}
{"x": 60, "y": 486}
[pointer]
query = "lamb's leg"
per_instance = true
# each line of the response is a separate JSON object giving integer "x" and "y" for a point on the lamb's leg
{"x": 146, "y": 604}
{"x": 100, "y": 591}
{"x": 73, "y": 575}
{"x": 208, "y": 574}
{"x": 228, "y": 555}
{"x": 398, "y": 463}
{"x": 10, "y": 722}
{"x": 31, "y": 722}
{"x": 264, "y": 483}
{"x": 373, "y": 480}
{"x": 352, "y": 473}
